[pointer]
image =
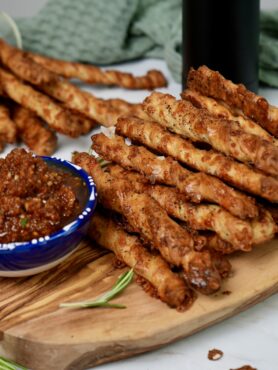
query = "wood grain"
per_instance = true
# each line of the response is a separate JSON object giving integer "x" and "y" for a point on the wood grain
{"x": 39, "y": 335}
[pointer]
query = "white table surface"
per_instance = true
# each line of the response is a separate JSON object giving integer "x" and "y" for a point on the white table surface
{"x": 248, "y": 338}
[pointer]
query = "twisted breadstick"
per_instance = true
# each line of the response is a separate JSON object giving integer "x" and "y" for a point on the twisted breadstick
{"x": 96, "y": 76}
{"x": 34, "y": 132}
{"x": 263, "y": 228}
{"x": 213, "y": 84}
{"x": 196, "y": 186}
{"x": 169, "y": 286}
{"x": 221, "y": 110}
{"x": 7, "y": 126}
{"x": 128, "y": 109}
{"x": 95, "y": 108}
{"x": 273, "y": 210}
{"x": 198, "y": 217}
{"x": 24, "y": 67}
{"x": 156, "y": 137}
{"x": 147, "y": 218}
{"x": 57, "y": 117}
{"x": 85, "y": 124}
{"x": 183, "y": 118}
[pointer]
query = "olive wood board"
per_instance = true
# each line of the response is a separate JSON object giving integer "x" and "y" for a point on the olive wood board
{"x": 38, "y": 334}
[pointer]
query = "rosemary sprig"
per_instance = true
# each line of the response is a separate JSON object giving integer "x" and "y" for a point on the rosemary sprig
{"x": 123, "y": 281}
{"x": 10, "y": 365}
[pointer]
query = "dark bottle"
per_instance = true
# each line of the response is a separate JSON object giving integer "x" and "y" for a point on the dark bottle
{"x": 224, "y": 35}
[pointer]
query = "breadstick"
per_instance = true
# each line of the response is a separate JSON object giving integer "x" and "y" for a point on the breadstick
{"x": 273, "y": 210}
{"x": 212, "y": 83}
{"x": 128, "y": 109}
{"x": 95, "y": 108}
{"x": 152, "y": 267}
{"x": 221, "y": 110}
{"x": 240, "y": 175}
{"x": 219, "y": 245}
{"x": 147, "y": 218}
{"x": 264, "y": 227}
{"x": 57, "y": 118}
{"x": 198, "y": 217}
{"x": 96, "y": 76}
{"x": 221, "y": 262}
{"x": 34, "y": 132}
{"x": 7, "y": 126}
{"x": 86, "y": 124}
{"x": 183, "y": 118}
{"x": 197, "y": 186}
{"x": 239, "y": 233}
{"x": 24, "y": 67}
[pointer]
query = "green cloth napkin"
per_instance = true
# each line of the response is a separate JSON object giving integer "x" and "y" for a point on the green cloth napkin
{"x": 113, "y": 31}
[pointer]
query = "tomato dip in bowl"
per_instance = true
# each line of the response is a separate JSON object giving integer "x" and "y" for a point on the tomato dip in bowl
{"x": 45, "y": 207}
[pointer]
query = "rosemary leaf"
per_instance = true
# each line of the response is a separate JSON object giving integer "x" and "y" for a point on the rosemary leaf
{"x": 91, "y": 305}
{"x": 112, "y": 305}
{"x": 10, "y": 365}
{"x": 102, "y": 301}
{"x": 122, "y": 282}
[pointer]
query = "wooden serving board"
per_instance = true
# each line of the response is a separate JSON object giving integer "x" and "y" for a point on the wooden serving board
{"x": 39, "y": 335}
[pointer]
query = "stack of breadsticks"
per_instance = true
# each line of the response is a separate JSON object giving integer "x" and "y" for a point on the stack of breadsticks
{"x": 37, "y": 100}
{"x": 188, "y": 185}
{"x": 188, "y": 181}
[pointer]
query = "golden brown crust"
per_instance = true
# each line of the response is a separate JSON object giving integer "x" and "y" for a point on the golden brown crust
{"x": 127, "y": 248}
{"x": 96, "y": 76}
{"x": 197, "y": 186}
{"x": 87, "y": 104}
{"x": 198, "y": 217}
{"x": 8, "y": 132}
{"x": 85, "y": 124}
{"x": 273, "y": 210}
{"x": 219, "y": 245}
{"x": 34, "y": 132}
{"x": 1, "y": 90}
{"x": 156, "y": 137}
{"x": 128, "y": 109}
{"x": 264, "y": 227}
{"x": 221, "y": 262}
{"x": 148, "y": 219}
{"x": 221, "y": 110}
{"x": 212, "y": 83}
{"x": 183, "y": 118}
{"x": 272, "y": 120}
{"x": 99, "y": 110}
{"x": 57, "y": 117}
{"x": 24, "y": 67}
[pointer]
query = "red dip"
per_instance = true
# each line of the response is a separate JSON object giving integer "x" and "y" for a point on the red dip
{"x": 36, "y": 199}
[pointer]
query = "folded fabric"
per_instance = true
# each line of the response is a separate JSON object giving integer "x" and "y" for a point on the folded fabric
{"x": 113, "y": 31}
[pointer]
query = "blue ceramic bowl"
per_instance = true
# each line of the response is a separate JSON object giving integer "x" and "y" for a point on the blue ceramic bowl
{"x": 37, "y": 255}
